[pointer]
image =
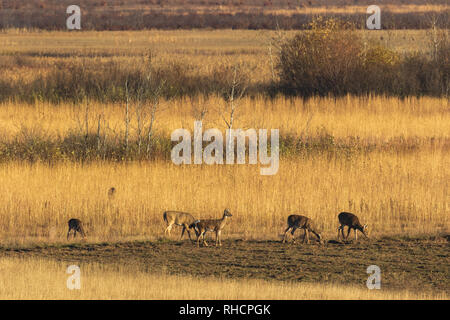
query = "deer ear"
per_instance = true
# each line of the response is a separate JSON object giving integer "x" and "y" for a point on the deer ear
{"x": 366, "y": 226}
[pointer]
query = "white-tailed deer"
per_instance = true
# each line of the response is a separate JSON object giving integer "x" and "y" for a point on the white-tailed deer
{"x": 111, "y": 193}
{"x": 180, "y": 219}
{"x": 295, "y": 222}
{"x": 77, "y": 226}
{"x": 215, "y": 225}
{"x": 352, "y": 222}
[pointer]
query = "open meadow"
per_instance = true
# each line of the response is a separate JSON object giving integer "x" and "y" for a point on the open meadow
{"x": 79, "y": 114}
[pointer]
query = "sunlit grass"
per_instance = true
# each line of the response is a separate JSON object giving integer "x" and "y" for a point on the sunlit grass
{"x": 35, "y": 278}
{"x": 404, "y": 194}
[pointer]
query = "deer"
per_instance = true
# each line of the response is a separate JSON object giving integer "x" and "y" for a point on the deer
{"x": 352, "y": 222}
{"x": 77, "y": 226}
{"x": 111, "y": 193}
{"x": 295, "y": 222}
{"x": 178, "y": 218}
{"x": 215, "y": 225}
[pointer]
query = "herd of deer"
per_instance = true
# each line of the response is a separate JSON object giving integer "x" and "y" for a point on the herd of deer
{"x": 200, "y": 227}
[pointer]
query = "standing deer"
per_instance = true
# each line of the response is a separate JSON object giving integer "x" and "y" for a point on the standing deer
{"x": 77, "y": 226}
{"x": 352, "y": 222}
{"x": 295, "y": 222}
{"x": 215, "y": 225}
{"x": 180, "y": 219}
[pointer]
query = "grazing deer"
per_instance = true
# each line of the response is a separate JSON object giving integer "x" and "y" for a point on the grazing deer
{"x": 77, "y": 226}
{"x": 111, "y": 193}
{"x": 215, "y": 225}
{"x": 180, "y": 219}
{"x": 295, "y": 222}
{"x": 352, "y": 222}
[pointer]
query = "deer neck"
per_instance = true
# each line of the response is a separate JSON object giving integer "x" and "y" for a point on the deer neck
{"x": 223, "y": 220}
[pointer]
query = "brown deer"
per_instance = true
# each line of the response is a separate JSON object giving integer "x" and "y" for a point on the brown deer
{"x": 111, "y": 193}
{"x": 180, "y": 219}
{"x": 295, "y": 222}
{"x": 77, "y": 226}
{"x": 214, "y": 225}
{"x": 352, "y": 222}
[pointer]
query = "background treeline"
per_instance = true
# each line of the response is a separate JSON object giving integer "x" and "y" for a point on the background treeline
{"x": 217, "y": 14}
{"x": 251, "y": 21}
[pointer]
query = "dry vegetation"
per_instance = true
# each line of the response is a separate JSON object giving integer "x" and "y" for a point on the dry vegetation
{"x": 48, "y": 281}
{"x": 396, "y": 194}
{"x": 384, "y": 158}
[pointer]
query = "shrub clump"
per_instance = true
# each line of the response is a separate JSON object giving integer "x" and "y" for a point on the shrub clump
{"x": 332, "y": 58}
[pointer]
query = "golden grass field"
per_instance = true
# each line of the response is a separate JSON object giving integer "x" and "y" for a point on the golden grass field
{"x": 48, "y": 281}
{"x": 392, "y": 193}
{"x": 202, "y": 50}
{"x": 400, "y": 187}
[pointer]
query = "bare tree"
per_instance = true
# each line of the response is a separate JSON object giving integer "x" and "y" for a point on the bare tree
{"x": 127, "y": 118}
{"x": 238, "y": 88}
{"x": 154, "y": 106}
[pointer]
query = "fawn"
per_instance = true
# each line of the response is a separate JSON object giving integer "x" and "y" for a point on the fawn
{"x": 215, "y": 225}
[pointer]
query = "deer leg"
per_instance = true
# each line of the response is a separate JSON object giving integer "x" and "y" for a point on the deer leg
{"x": 341, "y": 232}
{"x": 169, "y": 227}
{"x": 307, "y": 235}
{"x": 356, "y": 235}
{"x": 188, "y": 232}
{"x": 285, "y": 234}
{"x": 317, "y": 235}
{"x": 292, "y": 232}
{"x": 204, "y": 241}
{"x": 68, "y": 234}
{"x": 182, "y": 232}
{"x": 348, "y": 233}
{"x": 218, "y": 237}
{"x": 198, "y": 239}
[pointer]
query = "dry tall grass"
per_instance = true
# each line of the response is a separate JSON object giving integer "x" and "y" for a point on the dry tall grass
{"x": 363, "y": 121}
{"x": 404, "y": 194}
{"x": 400, "y": 187}
{"x": 46, "y": 279}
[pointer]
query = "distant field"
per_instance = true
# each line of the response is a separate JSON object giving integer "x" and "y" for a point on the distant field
{"x": 200, "y": 56}
{"x": 236, "y": 14}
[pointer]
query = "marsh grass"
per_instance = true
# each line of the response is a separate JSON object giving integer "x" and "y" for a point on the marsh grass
{"x": 37, "y": 278}
{"x": 396, "y": 194}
